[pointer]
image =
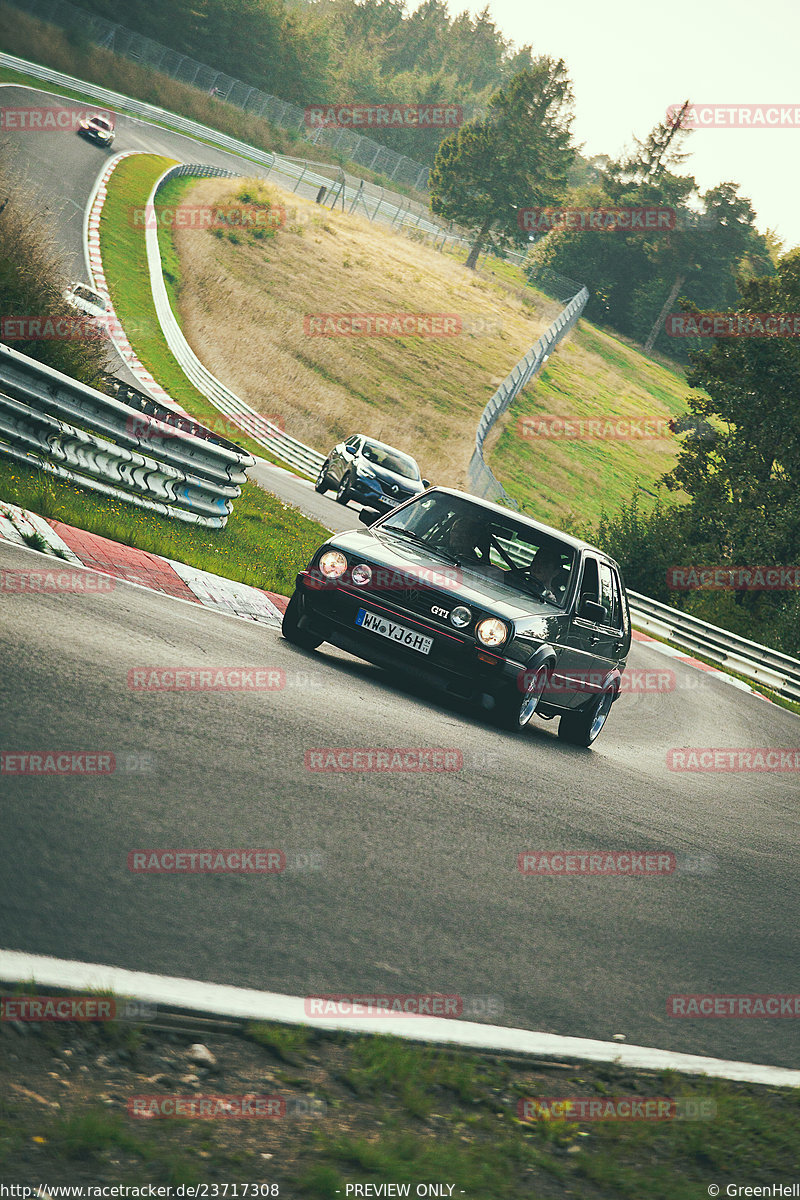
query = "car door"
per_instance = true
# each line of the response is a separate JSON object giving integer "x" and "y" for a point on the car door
{"x": 588, "y": 655}
{"x": 343, "y": 455}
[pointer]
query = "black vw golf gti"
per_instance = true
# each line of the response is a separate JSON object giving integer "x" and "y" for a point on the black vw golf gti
{"x": 481, "y": 602}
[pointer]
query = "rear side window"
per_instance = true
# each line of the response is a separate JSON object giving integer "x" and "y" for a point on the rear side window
{"x": 590, "y": 582}
{"x": 610, "y": 597}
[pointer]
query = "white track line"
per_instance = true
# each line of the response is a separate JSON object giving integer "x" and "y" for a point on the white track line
{"x": 214, "y": 999}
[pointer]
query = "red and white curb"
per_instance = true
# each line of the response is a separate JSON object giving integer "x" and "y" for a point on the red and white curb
{"x": 94, "y": 265}
{"x": 212, "y": 591}
{"x": 221, "y": 1000}
{"x": 17, "y": 525}
{"x": 682, "y": 656}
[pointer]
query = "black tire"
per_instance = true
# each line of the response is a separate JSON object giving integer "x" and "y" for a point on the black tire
{"x": 514, "y": 709}
{"x": 343, "y": 492}
{"x": 292, "y": 632}
{"x": 322, "y": 484}
{"x": 583, "y": 727}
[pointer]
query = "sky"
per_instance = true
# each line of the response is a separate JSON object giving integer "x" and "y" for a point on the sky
{"x": 629, "y": 61}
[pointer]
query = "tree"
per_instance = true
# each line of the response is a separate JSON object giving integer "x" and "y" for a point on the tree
{"x": 741, "y": 464}
{"x": 518, "y": 157}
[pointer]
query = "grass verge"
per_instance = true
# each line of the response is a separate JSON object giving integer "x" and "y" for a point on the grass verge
{"x": 422, "y": 393}
{"x": 125, "y": 263}
{"x": 265, "y": 542}
{"x": 372, "y": 1110}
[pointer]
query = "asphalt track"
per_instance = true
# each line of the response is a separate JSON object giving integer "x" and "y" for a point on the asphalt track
{"x": 394, "y": 881}
{"x": 416, "y": 887}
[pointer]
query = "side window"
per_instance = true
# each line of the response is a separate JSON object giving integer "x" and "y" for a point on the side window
{"x": 609, "y": 596}
{"x": 590, "y": 583}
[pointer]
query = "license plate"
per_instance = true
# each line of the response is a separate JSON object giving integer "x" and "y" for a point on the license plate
{"x": 391, "y": 500}
{"x": 394, "y": 632}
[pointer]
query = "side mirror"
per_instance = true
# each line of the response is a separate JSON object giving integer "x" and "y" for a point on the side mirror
{"x": 367, "y": 516}
{"x": 426, "y": 483}
{"x": 590, "y": 610}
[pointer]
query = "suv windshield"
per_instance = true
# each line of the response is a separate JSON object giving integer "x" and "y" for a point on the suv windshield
{"x": 390, "y": 459}
{"x": 490, "y": 545}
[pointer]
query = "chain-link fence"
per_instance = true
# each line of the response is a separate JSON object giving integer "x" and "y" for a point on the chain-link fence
{"x": 481, "y": 479}
{"x": 359, "y": 149}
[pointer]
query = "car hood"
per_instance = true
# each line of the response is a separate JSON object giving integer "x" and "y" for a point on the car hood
{"x": 464, "y": 585}
{"x": 391, "y": 477}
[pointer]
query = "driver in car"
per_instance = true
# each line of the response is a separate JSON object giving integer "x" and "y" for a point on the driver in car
{"x": 468, "y": 541}
{"x": 544, "y": 565}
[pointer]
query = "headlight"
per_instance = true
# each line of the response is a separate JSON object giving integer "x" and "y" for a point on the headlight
{"x": 333, "y": 564}
{"x": 361, "y": 574}
{"x": 460, "y": 616}
{"x": 365, "y": 471}
{"x": 492, "y": 632}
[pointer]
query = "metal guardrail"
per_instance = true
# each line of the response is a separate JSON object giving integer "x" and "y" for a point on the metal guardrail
{"x": 776, "y": 671}
{"x": 68, "y": 429}
{"x": 262, "y": 430}
{"x": 480, "y": 477}
{"x": 369, "y": 200}
{"x": 361, "y": 150}
{"x": 779, "y": 672}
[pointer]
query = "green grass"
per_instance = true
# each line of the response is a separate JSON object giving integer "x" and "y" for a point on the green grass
{"x": 264, "y": 543}
{"x": 594, "y": 374}
{"x": 288, "y": 1042}
{"x": 125, "y": 264}
{"x": 398, "y": 1112}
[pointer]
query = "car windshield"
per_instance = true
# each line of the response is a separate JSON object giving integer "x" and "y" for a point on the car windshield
{"x": 496, "y": 547}
{"x": 390, "y": 459}
{"x": 101, "y": 123}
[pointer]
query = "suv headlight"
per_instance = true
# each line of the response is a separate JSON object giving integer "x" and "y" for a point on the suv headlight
{"x": 365, "y": 471}
{"x": 492, "y": 632}
{"x": 333, "y": 564}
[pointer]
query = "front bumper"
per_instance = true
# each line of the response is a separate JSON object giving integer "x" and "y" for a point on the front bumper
{"x": 369, "y": 493}
{"x": 456, "y": 664}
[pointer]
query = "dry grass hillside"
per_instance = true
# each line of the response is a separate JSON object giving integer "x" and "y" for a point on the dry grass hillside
{"x": 244, "y": 304}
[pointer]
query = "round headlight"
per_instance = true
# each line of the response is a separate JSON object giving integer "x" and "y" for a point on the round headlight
{"x": 492, "y": 632}
{"x": 333, "y": 564}
{"x": 361, "y": 574}
{"x": 460, "y": 616}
